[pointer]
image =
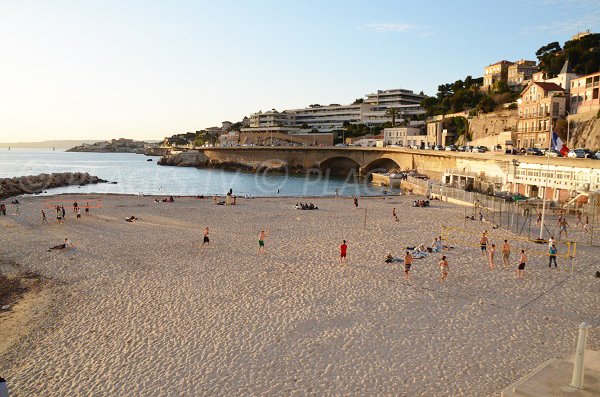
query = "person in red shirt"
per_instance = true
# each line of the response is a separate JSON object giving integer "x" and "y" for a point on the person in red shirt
{"x": 343, "y": 249}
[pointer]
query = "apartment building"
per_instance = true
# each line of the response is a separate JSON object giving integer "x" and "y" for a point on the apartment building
{"x": 377, "y": 104}
{"x": 371, "y": 112}
{"x": 584, "y": 94}
{"x": 495, "y": 72}
{"x": 520, "y": 73}
{"x": 404, "y": 136}
{"x": 540, "y": 105}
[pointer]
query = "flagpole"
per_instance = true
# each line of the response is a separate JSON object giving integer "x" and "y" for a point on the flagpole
{"x": 546, "y": 181}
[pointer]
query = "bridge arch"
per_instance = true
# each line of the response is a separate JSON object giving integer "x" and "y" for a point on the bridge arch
{"x": 340, "y": 166}
{"x": 383, "y": 164}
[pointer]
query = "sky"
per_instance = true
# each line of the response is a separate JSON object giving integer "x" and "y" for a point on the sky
{"x": 148, "y": 69}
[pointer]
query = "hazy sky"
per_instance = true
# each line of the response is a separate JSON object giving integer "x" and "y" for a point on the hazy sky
{"x": 145, "y": 69}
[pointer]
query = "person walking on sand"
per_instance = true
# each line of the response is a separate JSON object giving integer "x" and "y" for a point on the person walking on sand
{"x": 62, "y": 210}
{"x": 586, "y": 225}
{"x": 552, "y": 251}
{"x": 206, "y": 239}
{"x": 59, "y": 217}
{"x": 343, "y": 252}
{"x": 522, "y": 263}
{"x": 408, "y": 260}
{"x": 443, "y": 269}
{"x": 491, "y": 253}
{"x": 563, "y": 228}
{"x": 355, "y": 202}
{"x": 261, "y": 241}
{"x": 539, "y": 220}
{"x": 506, "y": 254}
{"x": 483, "y": 243}
{"x": 44, "y": 217}
{"x": 75, "y": 206}
{"x": 394, "y": 214}
{"x": 78, "y": 212}
{"x": 87, "y": 208}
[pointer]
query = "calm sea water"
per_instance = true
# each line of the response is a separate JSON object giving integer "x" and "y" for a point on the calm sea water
{"x": 134, "y": 175}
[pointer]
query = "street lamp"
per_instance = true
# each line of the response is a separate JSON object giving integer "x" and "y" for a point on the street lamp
{"x": 568, "y": 125}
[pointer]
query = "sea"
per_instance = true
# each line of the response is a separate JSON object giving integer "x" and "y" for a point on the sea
{"x": 138, "y": 174}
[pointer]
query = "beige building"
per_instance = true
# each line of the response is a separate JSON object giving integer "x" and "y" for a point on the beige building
{"x": 585, "y": 95}
{"x": 520, "y": 73}
{"x": 404, "y": 136}
{"x": 494, "y": 73}
{"x": 540, "y": 105}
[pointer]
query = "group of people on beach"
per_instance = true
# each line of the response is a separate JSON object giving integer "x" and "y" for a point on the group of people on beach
{"x": 61, "y": 213}
{"x": 506, "y": 251}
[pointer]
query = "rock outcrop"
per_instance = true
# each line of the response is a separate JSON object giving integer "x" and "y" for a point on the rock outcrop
{"x": 38, "y": 183}
{"x": 114, "y": 146}
{"x": 191, "y": 158}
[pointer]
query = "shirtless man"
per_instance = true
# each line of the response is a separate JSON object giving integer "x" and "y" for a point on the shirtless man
{"x": 563, "y": 227}
{"x": 394, "y": 214}
{"x": 483, "y": 242}
{"x": 522, "y": 263}
{"x": 443, "y": 269}
{"x": 506, "y": 254}
{"x": 408, "y": 260}
{"x": 44, "y": 217}
{"x": 491, "y": 252}
{"x": 261, "y": 241}
{"x": 206, "y": 239}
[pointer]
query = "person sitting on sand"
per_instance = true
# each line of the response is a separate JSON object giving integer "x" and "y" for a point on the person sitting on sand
{"x": 65, "y": 245}
{"x": 437, "y": 245}
{"x": 131, "y": 219}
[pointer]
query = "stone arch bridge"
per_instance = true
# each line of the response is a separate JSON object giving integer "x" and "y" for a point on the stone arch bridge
{"x": 336, "y": 160}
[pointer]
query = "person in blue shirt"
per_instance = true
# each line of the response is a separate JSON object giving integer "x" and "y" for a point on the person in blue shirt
{"x": 552, "y": 255}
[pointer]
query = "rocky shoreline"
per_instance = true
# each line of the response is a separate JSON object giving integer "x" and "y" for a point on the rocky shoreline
{"x": 114, "y": 146}
{"x": 35, "y": 184}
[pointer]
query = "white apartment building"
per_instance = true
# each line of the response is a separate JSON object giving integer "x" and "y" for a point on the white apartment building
{"x": 404, "y": 136}
{"x": 330, "y": 118}
{"x": 564, "y": 182}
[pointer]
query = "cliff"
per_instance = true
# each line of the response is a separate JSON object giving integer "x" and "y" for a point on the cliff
{"x": 494, "y": 123}
{"x": 37, "y": 183}
{"x": 114, "y": 146}
{"x": 585, "y": 132}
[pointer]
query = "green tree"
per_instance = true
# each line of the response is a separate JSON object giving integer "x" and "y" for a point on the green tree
{"x": 393, "y": 113}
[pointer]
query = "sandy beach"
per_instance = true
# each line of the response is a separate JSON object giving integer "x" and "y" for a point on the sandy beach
{"x": 141, "y": 309}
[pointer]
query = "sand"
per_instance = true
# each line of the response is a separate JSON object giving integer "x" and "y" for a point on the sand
{"x": 141, "y": 309}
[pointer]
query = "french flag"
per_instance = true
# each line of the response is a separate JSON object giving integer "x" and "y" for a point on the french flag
{"x": 559, "y": 145}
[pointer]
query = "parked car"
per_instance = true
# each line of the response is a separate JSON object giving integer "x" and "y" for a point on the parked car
{"x": 553, "y": 153}
{"x": 479, "y": 149}
{"x": 450, "y": 148}
{"x": 341, "y": 145}
{"x": 438, "y": 147}
{"x": 428, "y": 147}
{"x": 580, "y": 153}
{"x": 461, "y": 148}
{"x": 597, "y": 155}
{"x": 511, "y": 151}
{"x": 533, "y": 151}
